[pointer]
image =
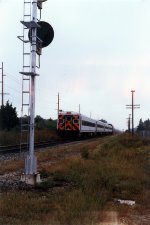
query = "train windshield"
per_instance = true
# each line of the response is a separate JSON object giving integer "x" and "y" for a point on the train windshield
{"x": 68, "y": 118}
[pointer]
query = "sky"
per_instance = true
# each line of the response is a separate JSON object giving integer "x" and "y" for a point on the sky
{"x": 100, "y": 52}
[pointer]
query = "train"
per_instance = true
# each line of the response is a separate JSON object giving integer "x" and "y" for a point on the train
{"x": 72, "y": 124}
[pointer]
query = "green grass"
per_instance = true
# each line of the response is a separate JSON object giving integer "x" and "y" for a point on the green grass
{"x": 77, "y": 190}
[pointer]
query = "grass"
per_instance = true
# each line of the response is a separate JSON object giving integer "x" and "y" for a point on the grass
{"x": 13, "y": 137}
{"x": 11, "y": 166}
{"x": 76, "y": 189}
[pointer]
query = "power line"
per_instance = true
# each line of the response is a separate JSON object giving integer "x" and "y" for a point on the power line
{"x": 13, "y": 89}
{"x": 14, "y": 79}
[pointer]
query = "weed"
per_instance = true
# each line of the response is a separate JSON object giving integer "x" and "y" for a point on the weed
{"x": 44, "y": 173}
{"x": 45, "y": 185}
{"x": 117, "y": 168}
{"x": 13, "y": 137}
{"x": 85, "y": 154}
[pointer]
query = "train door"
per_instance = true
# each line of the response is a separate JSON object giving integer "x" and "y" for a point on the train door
{"x": 68, "y": 122}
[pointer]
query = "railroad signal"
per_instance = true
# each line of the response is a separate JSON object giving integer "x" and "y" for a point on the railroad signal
{"x": 45, "y": 35}
{"x": 40, "y": 35}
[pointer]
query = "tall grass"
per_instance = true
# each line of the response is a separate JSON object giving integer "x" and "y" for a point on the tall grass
{"x": 9, "y": 137}
{"x": 77, "y": 188}
{"x": 14, "y": 137}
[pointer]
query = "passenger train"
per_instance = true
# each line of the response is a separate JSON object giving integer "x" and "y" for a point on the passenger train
{"x": 71, "y": 124}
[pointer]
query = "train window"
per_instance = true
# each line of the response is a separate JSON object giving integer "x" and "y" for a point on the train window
{"x": 87, "y": 123}
{"x": 100, "y": 126}
{"x": 75, "y": 121}
{"x": 60, "y": 121}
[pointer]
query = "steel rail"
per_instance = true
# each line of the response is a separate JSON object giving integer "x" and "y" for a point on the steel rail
{"x": 24, "y": 147}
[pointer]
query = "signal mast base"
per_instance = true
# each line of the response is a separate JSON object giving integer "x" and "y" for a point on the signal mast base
{"x": 31, "y": 179}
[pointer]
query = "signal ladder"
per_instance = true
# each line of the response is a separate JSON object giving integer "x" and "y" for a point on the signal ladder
{"x": 26, "y": 73}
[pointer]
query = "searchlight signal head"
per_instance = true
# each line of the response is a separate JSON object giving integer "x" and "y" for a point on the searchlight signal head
{"x": 45, "y": 35}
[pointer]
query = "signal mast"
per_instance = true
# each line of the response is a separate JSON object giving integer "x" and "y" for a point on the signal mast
{"x": 40, "y": 35}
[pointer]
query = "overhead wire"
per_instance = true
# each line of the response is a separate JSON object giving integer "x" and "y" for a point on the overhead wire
{"x": 38, "y": 90}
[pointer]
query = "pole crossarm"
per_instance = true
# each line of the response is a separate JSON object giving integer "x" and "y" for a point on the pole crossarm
{"x": 5, "y": 93}
{"x": 136, "y": 106}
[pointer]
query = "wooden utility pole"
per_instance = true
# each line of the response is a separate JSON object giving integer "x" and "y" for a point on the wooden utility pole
{"x": 132, "y": 112}
{"x": 2, "y": 85}
{"x": 58, "y": 108}
{"x": 129, "y": 122}
{"x": 133, "y": 106}
{"x": 2, "y": 93}
{"x": 2, "y": 82}
{"x": 58, "y": 104}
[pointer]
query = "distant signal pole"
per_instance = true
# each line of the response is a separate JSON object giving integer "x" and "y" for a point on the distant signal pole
{"x": 133, "y": 106}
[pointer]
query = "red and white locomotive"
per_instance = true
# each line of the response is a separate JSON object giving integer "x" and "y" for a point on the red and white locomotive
{"x": 76, "y": 124}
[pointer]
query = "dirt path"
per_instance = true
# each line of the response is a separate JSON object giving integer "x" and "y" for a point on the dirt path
{"x": 136, "y": 218}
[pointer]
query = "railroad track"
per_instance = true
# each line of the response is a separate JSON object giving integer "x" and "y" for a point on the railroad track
{"x": 24, "y": 147}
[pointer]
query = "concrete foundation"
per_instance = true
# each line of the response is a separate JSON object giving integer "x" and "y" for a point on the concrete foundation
{"x": 31, "y": 179}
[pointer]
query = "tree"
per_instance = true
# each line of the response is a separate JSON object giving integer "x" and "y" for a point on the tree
{"x": 8, "y": 117}
{"x": 143, "y": 125}
{"x": 38, "y": 119}
{"x": 147, "y": 124}
{"x": 140, "y": 126}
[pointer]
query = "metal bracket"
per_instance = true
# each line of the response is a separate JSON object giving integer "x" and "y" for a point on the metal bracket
{"x": 30, "y": 24}
{"x": 29, "y": 73}
{"x": 21, "y": 38}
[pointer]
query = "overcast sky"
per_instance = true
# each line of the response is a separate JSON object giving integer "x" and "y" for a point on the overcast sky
{"x": 100, "y": 52}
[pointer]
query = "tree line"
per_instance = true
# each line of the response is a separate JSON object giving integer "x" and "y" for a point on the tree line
{"x": 143, "y": 125}
{"x": 9, "y": 119}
